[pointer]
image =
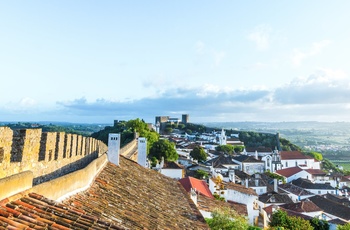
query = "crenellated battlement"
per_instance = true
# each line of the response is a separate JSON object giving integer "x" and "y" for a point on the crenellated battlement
{"x": 47, "y": 155}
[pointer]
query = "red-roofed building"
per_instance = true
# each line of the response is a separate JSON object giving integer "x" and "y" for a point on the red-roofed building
{"x": 295, "y": 158}
{"x": 200, "y": 186}
{"x": 237, "y": 193}
{"x": 293, "y": 173}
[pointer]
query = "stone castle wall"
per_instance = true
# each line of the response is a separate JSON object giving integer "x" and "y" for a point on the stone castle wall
{"x": 47, "y": 155}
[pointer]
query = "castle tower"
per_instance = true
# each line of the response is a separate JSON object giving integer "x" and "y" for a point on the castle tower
{"x": 185, "y": 118}
{"x": 113, "y": 148}
{"x": 142, "y": 152}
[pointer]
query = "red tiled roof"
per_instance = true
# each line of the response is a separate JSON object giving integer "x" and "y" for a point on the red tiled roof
{"x": 37, "y": 212}
{"x": 293, "y": 155}
{"x": 128, "y": 196}
{"x": 139, "y": 198}
{"x": 199, "y": 185}
{"x": 316, "y": 172}
{"x": 289, "y": 171}
{"x": 210, "y": 205}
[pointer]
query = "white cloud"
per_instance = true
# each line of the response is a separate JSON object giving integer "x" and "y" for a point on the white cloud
{"x": 316, "y": 48}
{"x": 27, "y": 102}
{"x": 199, "y": 47}
{"x": 261, "y": 37}
{"x": 23, "y": 105}
{"x": 322, "y": 87}
{"x": 218, "y": 57}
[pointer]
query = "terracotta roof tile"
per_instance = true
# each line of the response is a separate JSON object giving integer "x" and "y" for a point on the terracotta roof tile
{"x": 139, "y": 198}
{"x": 303, "y": 206}
{"x": 209, "y": 205}
{"x": 37, "y": 212}
{"x": 316, "y": 172}
{"x": 122, "y": 197}
{"x": 287, "y": 172}
{"x": 293, "y": 155}
{"x": 240, "y": 188}
{"x": 199, "y": 185}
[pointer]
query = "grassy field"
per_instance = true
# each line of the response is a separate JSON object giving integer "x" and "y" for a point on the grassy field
{"x": 345, "y": 164}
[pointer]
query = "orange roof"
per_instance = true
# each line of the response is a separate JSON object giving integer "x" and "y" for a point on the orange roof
{"x": 289, "y": 171}
{"x": 199, "y": 185}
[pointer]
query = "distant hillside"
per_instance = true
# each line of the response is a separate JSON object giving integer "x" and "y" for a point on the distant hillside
{"x": 81, "y": 129}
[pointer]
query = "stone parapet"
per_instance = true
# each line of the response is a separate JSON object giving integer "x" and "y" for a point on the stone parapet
{"x": 47, "y": 155}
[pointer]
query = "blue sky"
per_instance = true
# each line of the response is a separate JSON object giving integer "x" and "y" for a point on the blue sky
{"x": 96, "y": 61}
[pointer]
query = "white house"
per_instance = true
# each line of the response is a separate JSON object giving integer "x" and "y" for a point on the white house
{"x": 293, "y": 173}
{"x": 237, "y": 193}
{"x": 171, "y": 169}
{"x": 249, "y": 164}
{"x": 295, "y": 158}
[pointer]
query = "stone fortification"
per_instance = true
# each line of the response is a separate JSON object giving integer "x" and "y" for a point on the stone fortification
{"x": 130, "y": 150}
{"x": 47, "y": 155}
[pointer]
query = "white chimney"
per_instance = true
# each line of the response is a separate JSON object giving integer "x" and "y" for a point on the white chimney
{"x": 113, "y": 148}
{"x": 256, "y": 154}
{"x": 193, "y": 195}
{"x": 231, "y": 175}
{"x": 142, "y": 151}
{"x": 246, "y": 183}
{"x": 275, "y": 185}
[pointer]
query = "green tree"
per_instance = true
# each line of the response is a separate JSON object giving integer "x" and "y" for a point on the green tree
{"x": 137, "y": 125}
{"x": 151, "y": 137}
{"x": 225, "y": 148}
{"x": 198, "y": 153}
{"x": 154, "y": 161}
{"x": 168, "y": 130}
{"x": 316, "y": 155}
{"x": 344, "y": 227}
{"x": 188, "y": 131}
{"x": 318, "y": 224}
{"x": 163, "y": 148}
{"x": 201, "y": 174}
{"x": 225, "y": 219}
{"x": 238, "y": 148}
{"x": 280, "y": 219}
